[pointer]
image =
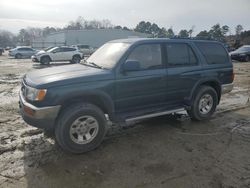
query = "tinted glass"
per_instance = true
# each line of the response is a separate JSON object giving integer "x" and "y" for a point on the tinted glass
{"x": 214, "y": 53}
{"x": 55, "y": 50}
{"x": 180, "y": 55}
{"x": 67, "y": 49}
{"x": 83, "y": 46}
{"x": 149, "y": 56}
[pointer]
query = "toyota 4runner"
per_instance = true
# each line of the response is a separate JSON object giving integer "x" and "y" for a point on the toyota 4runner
{"x": 126, "y": 80}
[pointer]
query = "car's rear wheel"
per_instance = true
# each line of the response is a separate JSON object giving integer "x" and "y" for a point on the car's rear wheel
{"x": 76, "y": 59}
{"x": 204, "y": 103}
{"x": 18, "y": 56}
{"x": 81, "y": 128}
{"x": 45, "y": 60}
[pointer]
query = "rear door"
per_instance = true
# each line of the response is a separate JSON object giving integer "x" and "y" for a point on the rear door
{"x": 184, "y": 71}
{"x": 218, "y": 63}
{"x": 68, "y": 53}
{"x": 56, "y": 54}
{"x": 30, "y": 52}
{"x": 145, "y": 87}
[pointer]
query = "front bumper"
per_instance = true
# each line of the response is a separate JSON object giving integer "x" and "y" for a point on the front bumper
{"x": 11, "y": 54}
{"x": 43, "y": 117}
{"x": 34, "y": 59}
{"x": 226, "y": 88}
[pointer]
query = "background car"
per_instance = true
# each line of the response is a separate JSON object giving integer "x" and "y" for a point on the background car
{"x": 62, "y": 53}
{"x": 85, "y": 49}
{"x": 7, "y": 48}
{"x": 21, "y": 52}
{"x": 1, "y": 51}
{"x": 241, "y": 54}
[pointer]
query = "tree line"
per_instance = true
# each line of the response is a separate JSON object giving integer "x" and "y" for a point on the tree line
{"x": 216, "y": 32}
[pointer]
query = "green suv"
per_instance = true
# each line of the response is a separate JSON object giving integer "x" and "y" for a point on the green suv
{"x": 126, "y": 80}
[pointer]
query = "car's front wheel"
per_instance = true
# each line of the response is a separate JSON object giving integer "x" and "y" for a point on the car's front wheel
{"x": 204, "y": 103}
{"x": 81, "y": 128}
{"x": 76, "y": 59}
{"x": 45, "y": 60}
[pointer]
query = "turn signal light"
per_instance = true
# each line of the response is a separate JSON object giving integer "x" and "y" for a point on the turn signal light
{"x": 41, "y": 94}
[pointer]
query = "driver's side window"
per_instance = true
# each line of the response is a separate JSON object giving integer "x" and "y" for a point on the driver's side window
{"x": 57, "y": 50}
{"x": 148, "y": 55}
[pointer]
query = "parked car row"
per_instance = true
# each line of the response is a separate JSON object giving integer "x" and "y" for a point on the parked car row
{"x": 75, "y": 53}
{"x": 50, "y": 54}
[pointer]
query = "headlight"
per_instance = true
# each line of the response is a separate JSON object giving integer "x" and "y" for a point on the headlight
{"x": 34, "y": 94}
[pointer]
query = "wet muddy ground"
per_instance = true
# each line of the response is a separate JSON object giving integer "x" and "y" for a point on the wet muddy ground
{"x": 169, "y": 151}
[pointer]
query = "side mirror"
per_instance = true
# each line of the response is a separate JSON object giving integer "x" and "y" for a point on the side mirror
{"x": 131, "y": 65}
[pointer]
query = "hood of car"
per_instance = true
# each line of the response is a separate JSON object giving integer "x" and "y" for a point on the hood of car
{"x": 40, "y": 52}
{"x": 64, "y": 75}
{"x": 238, "y": 53}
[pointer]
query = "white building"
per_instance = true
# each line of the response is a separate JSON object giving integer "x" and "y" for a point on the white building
{"x": 93, "y": 37}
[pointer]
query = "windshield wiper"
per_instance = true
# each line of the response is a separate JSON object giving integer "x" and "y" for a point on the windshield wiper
{"x": 92, "y": 64}
{"x": 97, "y": 66}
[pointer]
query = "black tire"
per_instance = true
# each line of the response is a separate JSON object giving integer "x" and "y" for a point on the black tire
{"x": 197, "y": 112}
{"x": 18, "y": 56}
{"x": 66, "y": 122}
{"x": 247, "y": 59}
{"x": 76, "y": 59}
{"x": 45, "y": 60}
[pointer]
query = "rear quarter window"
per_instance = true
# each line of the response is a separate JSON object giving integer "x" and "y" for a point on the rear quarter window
{"x": 214, "y": 53}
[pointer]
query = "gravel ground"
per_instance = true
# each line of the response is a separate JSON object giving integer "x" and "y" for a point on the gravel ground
{"x": 169, "y": 151}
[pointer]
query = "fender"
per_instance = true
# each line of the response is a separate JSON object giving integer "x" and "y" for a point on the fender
{"x": 189, "y": 99}
{"x": 104, "y": 100}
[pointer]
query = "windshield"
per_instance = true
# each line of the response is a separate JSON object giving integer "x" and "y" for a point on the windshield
{"x": 108, "y": 54}
{"x": 243, "y": 49}
{"x": 52, "y": 49}
{"x": 47, "y": 49}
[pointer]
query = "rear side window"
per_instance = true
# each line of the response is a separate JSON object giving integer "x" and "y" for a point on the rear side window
{"x": 149, "y": 56}
{"x": 67, "y": 49}
{"x": 214, "y": 53}
{"x": 179, "y": 54}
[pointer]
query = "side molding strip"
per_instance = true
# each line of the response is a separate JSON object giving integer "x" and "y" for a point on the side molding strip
{"x": 154, "y": 114}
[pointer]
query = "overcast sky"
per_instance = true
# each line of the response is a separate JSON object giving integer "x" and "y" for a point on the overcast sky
{"x": 180, "y": 14}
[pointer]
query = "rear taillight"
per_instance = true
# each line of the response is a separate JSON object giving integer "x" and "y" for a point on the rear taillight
{"x": 233, "y": 76}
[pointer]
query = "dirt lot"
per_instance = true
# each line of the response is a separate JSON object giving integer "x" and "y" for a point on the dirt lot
{"x": 169, "y": 151}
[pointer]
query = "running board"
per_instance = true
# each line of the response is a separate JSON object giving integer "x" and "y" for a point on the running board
{"x": 154, "y": 114}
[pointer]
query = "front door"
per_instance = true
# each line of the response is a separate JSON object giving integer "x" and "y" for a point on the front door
{"x": 146, "y": 86}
